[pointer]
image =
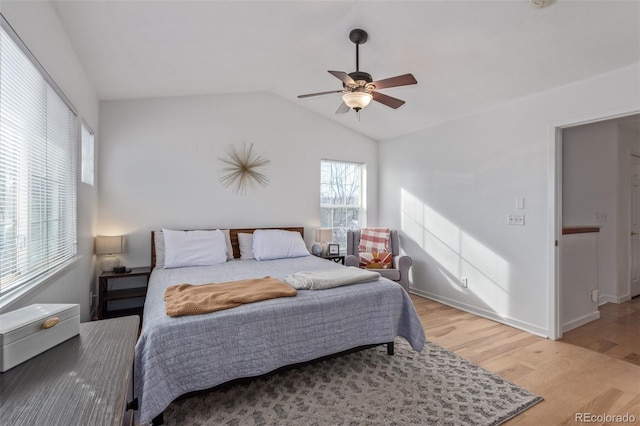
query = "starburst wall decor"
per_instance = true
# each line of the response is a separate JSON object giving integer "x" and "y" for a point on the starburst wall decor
{"x": 242, "y": 168}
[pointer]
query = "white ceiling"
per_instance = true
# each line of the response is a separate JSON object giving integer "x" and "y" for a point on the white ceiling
{"x": 466, "y": 55}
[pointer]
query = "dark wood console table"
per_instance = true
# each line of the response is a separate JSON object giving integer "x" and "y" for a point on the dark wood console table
{"x": 86, "y": 380}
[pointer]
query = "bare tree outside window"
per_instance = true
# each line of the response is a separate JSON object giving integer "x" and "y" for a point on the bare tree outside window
{"x": 341, "y": 198}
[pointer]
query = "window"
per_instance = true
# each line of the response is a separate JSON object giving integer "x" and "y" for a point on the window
{"x": 38, "y": 134}
{"x": 86, "y": 136}
{"x": 342, "y": 204}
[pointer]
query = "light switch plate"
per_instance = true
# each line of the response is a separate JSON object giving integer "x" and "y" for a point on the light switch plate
{"x": 601, "y": 217}
{"x": 515, "y": 219}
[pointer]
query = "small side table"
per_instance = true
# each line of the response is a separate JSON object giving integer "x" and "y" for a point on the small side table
{"x": 334, "y": 257}
{"x": 105, "y": 294}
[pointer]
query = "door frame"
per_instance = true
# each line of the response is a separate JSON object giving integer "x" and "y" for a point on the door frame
{"x": 554, "y": 198}
{"x": 632, "y": 155}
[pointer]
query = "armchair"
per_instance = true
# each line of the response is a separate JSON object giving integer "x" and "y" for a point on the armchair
{"x": 401, "y": 264}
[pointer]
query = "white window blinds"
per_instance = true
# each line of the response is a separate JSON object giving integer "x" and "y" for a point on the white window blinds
{"x": 38, "y": 137}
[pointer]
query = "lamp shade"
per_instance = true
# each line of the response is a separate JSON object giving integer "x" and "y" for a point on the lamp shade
{"x": 108, "y": 245}
{"x": 357, "y": 100}
{"x": 324, "y": 235}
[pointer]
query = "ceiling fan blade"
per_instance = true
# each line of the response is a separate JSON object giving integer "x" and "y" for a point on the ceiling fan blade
{"x": 342, "y": 76}
{"x": 342, "y": 108}
{"x": 399, "y": 80}
{"x": 319, "y": 93}
{"x": 389, "y": 101}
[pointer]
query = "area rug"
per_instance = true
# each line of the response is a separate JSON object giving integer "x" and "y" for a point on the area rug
{"x": 369, "y": 387}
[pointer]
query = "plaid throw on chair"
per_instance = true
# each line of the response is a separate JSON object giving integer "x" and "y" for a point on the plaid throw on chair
{"x": 374, "y": 240}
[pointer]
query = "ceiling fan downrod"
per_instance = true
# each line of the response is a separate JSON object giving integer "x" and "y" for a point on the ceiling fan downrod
{"x": 358, "y": 37}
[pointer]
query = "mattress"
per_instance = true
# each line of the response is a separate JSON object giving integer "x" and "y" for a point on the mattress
{"x": 175, "y": 356}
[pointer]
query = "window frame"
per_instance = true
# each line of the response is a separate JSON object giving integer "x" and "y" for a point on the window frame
{"x": 87, "y": 154}
{"x": 340, "y": 232}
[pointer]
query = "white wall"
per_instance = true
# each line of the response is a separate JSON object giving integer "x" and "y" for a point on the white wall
{"x": 579, "y": 279}
{"x": 590, "y": 186}
{"x": 159, "y": 165}
{"x": 450, "y": 187}
{"x": 38, "y": 26}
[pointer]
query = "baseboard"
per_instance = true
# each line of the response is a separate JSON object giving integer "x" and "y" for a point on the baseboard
{"x": 613, "y": 299}
{"x": 585, "y": 319}
{"x": 511, "y": 322}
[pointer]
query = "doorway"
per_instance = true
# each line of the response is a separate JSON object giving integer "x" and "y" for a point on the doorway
{"x": 598, "y": 195}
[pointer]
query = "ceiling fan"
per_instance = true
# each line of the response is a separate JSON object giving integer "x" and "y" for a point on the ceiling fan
{"x": 358, "y": 86}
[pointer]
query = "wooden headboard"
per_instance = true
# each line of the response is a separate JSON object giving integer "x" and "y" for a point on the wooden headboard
{"x": 233, "y": 233}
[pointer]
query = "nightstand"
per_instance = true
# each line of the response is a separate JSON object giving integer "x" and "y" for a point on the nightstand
{"x": 335, "y": 257}
{"x": 107, "y": 293}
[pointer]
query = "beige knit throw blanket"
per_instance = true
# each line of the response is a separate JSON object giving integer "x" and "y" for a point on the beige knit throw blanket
{"x": 189, "y": 299}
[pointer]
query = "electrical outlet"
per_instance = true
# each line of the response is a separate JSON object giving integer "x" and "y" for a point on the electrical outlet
{"x": 515, "y": 219}
{"x": 464, "y": 282}
{"x": 601, "y": 217}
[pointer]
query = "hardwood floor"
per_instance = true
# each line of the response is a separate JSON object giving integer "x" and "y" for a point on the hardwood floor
{"x": 571, "y": 379}
{"x": 616, "y": 333}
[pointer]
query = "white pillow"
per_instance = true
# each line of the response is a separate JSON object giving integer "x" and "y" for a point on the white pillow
{"x": 159, "y": 246}
{"x": 245, "y": 241}
{"x": 278, "y": 244}
{"x": 193, "y": 248}
{"x": 227, "y": 239}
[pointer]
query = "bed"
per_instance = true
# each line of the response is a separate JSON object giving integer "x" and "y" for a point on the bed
{"x": 179, "y": 355}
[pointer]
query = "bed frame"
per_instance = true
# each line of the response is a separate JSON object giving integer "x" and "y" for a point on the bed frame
{"x": 233, "y": 233}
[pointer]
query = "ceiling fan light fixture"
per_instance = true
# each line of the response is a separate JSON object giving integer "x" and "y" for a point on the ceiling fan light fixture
{"x": 357, "y": 100}
{"x": 359, "y": 88}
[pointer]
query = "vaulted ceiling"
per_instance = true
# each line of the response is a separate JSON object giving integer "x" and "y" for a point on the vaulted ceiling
{"x": 466, "y": 55}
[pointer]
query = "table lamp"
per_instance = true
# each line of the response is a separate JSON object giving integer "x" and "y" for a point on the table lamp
{"x": 109, "y": 246}
{"x": 324, "y": 236}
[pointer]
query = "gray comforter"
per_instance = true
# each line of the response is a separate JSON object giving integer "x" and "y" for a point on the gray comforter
{"x": 178, "y": 355}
